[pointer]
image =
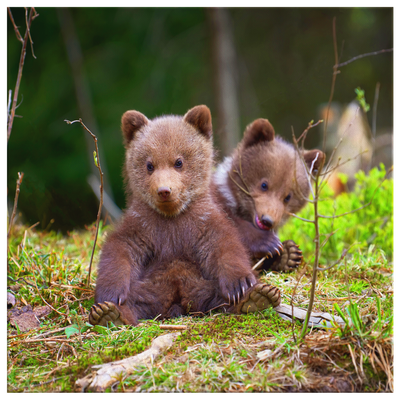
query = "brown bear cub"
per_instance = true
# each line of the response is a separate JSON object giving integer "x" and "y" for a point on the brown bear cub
{"x": 259, "y": 185}
{"x": 174, "y": 251}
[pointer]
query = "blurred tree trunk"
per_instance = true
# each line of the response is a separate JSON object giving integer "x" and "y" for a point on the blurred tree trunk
{"x": 225, "y": 79}
{"x": 83, "y": 96}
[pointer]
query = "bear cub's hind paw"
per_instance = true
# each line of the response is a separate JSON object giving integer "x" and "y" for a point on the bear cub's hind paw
{"x": 104, "y": 313}
{"x": 260, "y": 297}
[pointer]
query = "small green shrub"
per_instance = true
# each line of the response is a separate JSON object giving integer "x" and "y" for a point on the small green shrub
{"x": 370, "y": 225}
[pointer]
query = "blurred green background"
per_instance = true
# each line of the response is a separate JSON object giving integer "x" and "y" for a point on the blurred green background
{"x": 96, "y": 63}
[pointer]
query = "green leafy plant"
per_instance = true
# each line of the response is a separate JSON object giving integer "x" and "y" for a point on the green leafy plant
{"x": 370, "y": 225}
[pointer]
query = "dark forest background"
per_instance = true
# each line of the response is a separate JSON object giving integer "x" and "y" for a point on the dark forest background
{"x": 96, "y": 63}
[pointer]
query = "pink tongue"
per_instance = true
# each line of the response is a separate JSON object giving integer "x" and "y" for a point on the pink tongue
{"x": 260, "y": 225}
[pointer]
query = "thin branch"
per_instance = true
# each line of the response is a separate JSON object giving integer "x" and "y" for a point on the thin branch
{"x": 291, "y": 303}
{"x": 302, "y": 219}
{"x": 98, "y": 165}
{"x": 365, "y": 205}
{"x": 304, "y": 134}
{"x": 241, "y": 177}
{"x": 44, "y": 301}
{"x": 341, "y": 139}
{"x": 29, "y": 32}
{"x": 316, "y": 259}
{"x": 326, "y": 172}
{"x": 335, "y": 72}
{"x": 17, "y": 190}
{"x": 328, "y": 236}
{"x": 32, "y": 15}
{"x": 374, "y": 113}
{"x": 173, "y": 327}
{"x": 374, "y": 53}
{"x": 344, "y": 254}
{"x": 310, "y": 176}
{"x": 375, "y": 109}
{"x": 244, "y": 190}
{"x": 259, "y": 262}
{"x": 19, "y": 37}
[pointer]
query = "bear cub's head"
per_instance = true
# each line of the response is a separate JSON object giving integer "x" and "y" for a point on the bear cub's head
{"x": 168, "y": 159}
{"x": 273, "y": 175}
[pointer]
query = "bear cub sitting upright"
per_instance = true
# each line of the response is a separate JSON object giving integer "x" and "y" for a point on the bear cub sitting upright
{"x": 260, "y": 185}
{"x": 174, "y": 251}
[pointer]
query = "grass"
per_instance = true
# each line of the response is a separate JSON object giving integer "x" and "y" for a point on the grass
{"x": 217, "y": 352}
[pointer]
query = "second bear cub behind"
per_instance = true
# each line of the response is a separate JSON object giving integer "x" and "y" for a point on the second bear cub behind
{"x": 261, "y": 184}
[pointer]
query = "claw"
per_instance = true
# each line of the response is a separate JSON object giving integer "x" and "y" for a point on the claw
{"x": 269, "y": 253}
{"x": 280, "y": 246}
{"x": 277, "y": 250}
{"x": 243, "y": 290}
{"x": 229, "y": 299}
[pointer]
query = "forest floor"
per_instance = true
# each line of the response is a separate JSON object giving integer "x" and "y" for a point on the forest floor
{"x": 50, "y": 350}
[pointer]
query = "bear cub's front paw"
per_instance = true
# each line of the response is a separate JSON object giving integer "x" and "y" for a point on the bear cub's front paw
{"x": 290, "y": 258}
{"x": 233, "y": 288}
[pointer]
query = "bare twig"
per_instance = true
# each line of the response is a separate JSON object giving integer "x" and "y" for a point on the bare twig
{"x": 300, "y": 218}
{"x": 14, "y": 211}
{"x": 316, "y": 258}
{"x": 319, "y": 186}
{"x": 44, "y": 301}
{"x": 374, "y": 53}
{"x": 304, "y": 134}
{"x": 365, "y": 205}
{"x": 32, "y": 15}
{"x": 19, "y": 37}
{"x": 241, "y": 177}
{"x": 29, "y": 32}
{"x": 98, "y": 165}
{"x": 292, "y": 305}
{"x": 328, "y": 164}
{"x": 374, "y": 113}
{"x": 255, "y": 266}
{"x": 173, "y": 327}
{"x": 339, "y": 164}
{"x": 335, "y": 72}
{"x": 344, "y": 254}
{"x": 107, "y": 374}
{"x": 310, "y": 175}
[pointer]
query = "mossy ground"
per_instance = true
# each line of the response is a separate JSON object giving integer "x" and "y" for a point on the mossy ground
{"x": 217, "y": 352}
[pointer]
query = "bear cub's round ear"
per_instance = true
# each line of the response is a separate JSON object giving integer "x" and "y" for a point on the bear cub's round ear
{"x": 131, "y": 122}
{"x": 314, "y": 159}
{"x": 200, "y": 118}
{"x": 259, "y": 131}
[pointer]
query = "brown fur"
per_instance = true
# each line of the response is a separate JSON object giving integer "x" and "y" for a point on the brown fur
{"x": 174, "y": 250}
{"x": 263, "y": 159}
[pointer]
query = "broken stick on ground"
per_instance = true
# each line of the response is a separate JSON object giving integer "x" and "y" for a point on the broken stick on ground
{"x": 108, "y": 374}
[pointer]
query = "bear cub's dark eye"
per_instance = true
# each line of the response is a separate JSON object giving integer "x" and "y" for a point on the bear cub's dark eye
{"x": 264, "y": 186}
{"x": 178, "y": 163}
{"x": 150, "y": 166}
{"x": 287, "y": 198}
